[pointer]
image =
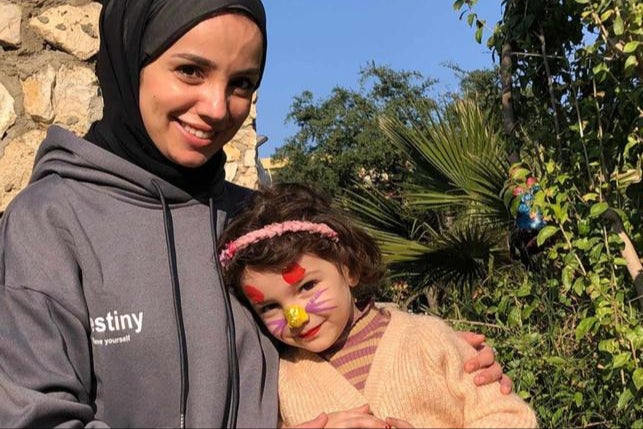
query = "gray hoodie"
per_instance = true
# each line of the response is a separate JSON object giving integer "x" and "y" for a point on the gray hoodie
{"x": 89, "y": 315}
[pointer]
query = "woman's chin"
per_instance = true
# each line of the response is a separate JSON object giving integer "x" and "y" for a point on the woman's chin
{"x": 191, "y": 160}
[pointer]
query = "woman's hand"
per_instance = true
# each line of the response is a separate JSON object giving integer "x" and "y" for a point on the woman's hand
{"x": 485, "y": 361}
{"x": 392, "y": 422}
{"x": 360, "y": 417}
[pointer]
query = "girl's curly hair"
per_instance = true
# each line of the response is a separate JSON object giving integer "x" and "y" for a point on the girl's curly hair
{"x": 354, "y": 248}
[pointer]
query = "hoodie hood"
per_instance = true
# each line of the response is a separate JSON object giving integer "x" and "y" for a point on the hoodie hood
{"x": 69, "y": 156}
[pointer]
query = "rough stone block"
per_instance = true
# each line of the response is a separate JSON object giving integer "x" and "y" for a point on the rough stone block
{"x": 70, "y": 28}
{"x": 10, "y": 18}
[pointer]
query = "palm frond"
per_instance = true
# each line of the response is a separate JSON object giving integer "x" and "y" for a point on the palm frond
{"x": 458, "y": 160}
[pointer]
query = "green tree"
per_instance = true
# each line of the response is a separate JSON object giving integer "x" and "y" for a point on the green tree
{"x": 339, "y": 143}
{"x": 450, "y": 222}
{"x": 571, "y": 101}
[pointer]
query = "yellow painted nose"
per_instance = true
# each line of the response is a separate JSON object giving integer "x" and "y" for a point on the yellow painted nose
{"x": 296, "y": 316}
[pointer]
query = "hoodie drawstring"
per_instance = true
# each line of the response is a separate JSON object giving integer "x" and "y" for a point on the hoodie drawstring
{"x": 232, "y": 400}
{"x": 178, "y": 313}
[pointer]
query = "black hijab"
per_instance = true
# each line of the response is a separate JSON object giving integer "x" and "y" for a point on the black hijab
{"x": 134, "y": 33}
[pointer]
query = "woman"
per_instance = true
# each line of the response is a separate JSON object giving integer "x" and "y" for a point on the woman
{"x": 112, "y": 311}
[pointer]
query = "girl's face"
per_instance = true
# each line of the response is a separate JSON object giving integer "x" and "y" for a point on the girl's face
{"x": 314, "y": 285}
{"x": 196, "y": 95}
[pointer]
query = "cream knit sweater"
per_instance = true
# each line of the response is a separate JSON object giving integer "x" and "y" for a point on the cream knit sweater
{"x": 417, "y": 375}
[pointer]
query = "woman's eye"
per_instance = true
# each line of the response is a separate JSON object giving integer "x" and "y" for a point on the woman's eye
{"x": 189, "y": 71}
{"x": 243, "y": 85}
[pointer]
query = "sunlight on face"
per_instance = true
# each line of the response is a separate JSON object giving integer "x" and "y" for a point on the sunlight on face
{"x": 312, "y": 284}
{"x": 195, "y": 96}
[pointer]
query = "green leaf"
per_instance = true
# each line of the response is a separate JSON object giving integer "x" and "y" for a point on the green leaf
{"x": 584, "y": 325}
{"x": 567, "y": 278}
{"x": 525, "y": 289}
{"x": 631, "y": 46}
{"x": 608, "y": 346}
{"x": 545, "y": 233}
{"x": 598, "y": 209}
{"x": 635, "y": 336}
{"x": 618, "y": 25}
{"x": 590, "y": 196}
{"x": 624, "y": 399}
{"x": 550, "y": 166}
{"x": 556, "y": 360}
{"x": 579, "y": 286}
{"x": 520, "y": 174}
{"x": 607, "y": 14}
{"x": 479, "y": 35}
{"x": 515, "y": 318}
{"x": 637, "y": 378}
{"x": 578, "y": 399}
{"x": 620, "y": 360}
{"x": 600, "y": 68}
{"x": 631, "y": 62}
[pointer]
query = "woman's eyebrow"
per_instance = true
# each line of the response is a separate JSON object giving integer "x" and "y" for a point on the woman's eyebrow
{"x": 204, "y": 62}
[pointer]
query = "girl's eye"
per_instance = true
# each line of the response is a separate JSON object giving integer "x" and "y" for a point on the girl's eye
{"x": 267, "y": 308}
{"x": 307, "y": 286}
{"x": 190, "y": 71}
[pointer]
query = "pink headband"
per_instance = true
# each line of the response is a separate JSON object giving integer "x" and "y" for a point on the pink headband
{"x": 273, "y": 230}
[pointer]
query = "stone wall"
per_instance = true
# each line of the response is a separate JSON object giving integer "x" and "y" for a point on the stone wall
{"x": 47, "y": 62}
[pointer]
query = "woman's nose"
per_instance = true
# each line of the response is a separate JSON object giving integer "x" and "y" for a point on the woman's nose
{"x": 296, "y": 316}
{"x": 213, "y": 105}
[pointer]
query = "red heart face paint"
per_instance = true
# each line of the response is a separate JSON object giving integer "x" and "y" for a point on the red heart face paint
{"x": 293, "y": 273}
{"x": 254, "y": 295}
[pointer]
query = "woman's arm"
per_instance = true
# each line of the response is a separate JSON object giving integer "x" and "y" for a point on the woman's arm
{"x": 45, "y": 365}
{"x": 45, "y": 359}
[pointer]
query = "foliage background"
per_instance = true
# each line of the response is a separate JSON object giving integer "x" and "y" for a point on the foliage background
{"x": 433, "y": 180}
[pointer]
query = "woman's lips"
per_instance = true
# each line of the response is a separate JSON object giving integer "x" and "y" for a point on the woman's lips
{"x": 195, "y": 138}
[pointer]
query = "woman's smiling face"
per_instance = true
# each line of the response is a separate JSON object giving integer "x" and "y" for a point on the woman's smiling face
{"x": 196, "y": 95}
{"x": 313, "y": 285}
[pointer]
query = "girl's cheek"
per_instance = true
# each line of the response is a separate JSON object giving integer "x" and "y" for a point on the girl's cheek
{"x": 276, "y": 326}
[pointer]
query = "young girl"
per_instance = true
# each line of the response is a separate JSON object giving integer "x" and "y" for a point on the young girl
{"x": 301, "y": 265}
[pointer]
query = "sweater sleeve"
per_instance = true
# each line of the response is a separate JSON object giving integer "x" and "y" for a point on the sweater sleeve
{"x": 481, "y": 406}
{"x": 45, "y": 358}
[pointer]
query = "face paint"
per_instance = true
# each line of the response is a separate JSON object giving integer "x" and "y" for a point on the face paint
{"x": 296, "y": 316}
{"x": 293, "y": 273}
{"x": 276, "y": 327}
{"x": 315, "y": 306}
{"x": 254, "y": 295}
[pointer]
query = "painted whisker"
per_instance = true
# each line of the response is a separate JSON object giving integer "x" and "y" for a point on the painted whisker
{"x": 315, "y": 306}
{"x": 276, "y": 327}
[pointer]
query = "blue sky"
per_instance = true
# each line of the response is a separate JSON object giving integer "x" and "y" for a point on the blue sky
{"x": 317, "y": 45}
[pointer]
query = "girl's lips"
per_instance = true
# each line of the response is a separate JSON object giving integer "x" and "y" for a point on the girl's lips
{"x": 310, "y": 333}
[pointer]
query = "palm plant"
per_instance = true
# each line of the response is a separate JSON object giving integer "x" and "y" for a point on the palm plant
{"x": 449, "y": 225}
